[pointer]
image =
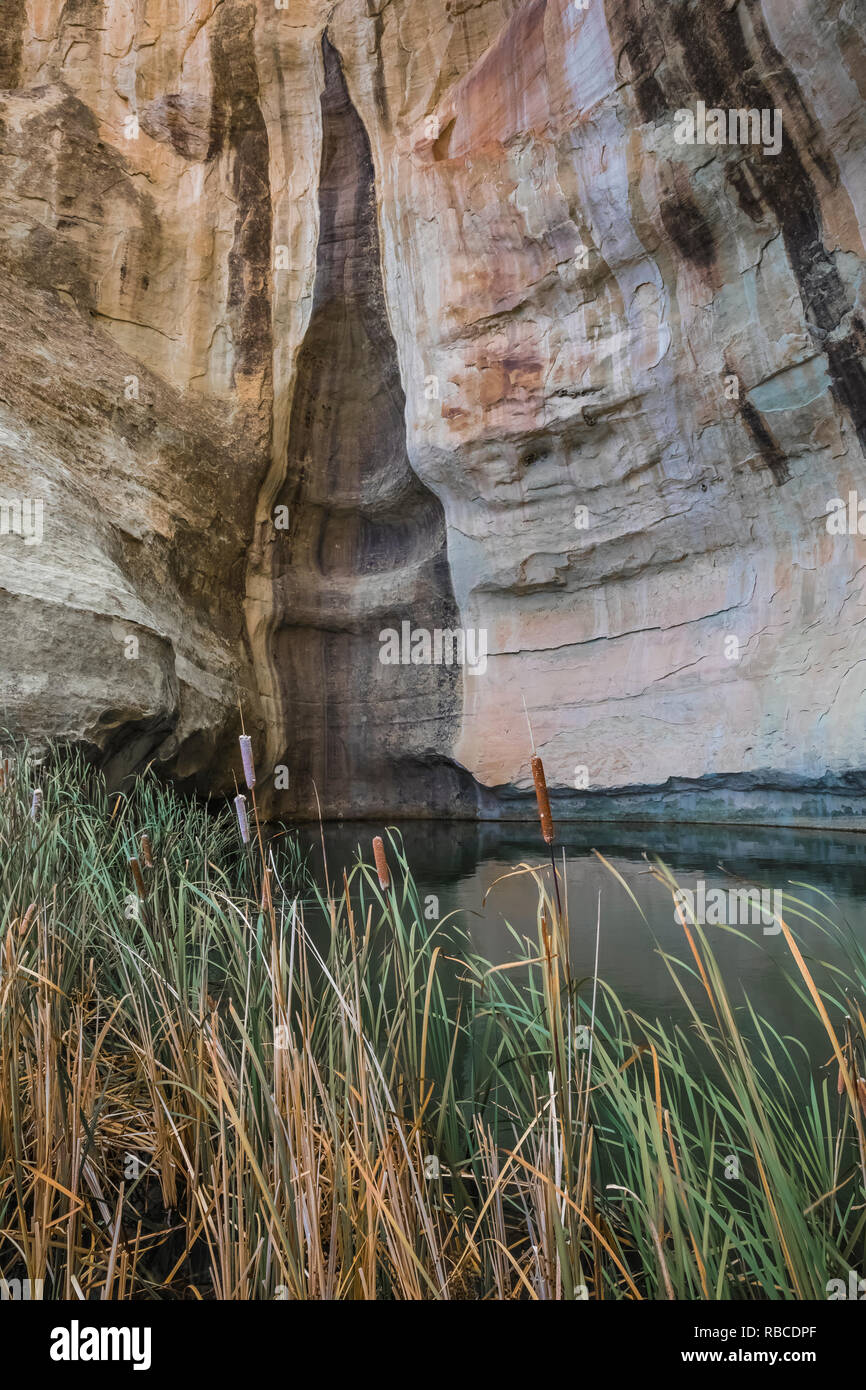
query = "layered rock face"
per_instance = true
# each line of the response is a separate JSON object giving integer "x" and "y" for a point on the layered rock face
{"x": 427, "y": 319}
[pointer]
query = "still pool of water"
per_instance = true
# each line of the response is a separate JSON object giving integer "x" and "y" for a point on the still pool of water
{"x": 459, "y": 861}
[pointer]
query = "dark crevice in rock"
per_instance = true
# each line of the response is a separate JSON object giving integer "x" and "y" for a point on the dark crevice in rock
{"x": 380, "y": 90}
{"x": 365, "y": 544}
{"x": 688, "y": 229}
{"x": 237, "y": 123}
{"x": 771, "y": 454}
{"x": 131, "y": 745}
{"x": 13, "y": 21}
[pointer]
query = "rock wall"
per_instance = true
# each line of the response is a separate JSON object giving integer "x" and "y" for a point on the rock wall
{"x": 324, "y": 320}
{"x": 357, "y": 539}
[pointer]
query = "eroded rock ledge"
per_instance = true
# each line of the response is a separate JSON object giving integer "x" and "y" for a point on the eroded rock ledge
{"x": 431, "y": 319}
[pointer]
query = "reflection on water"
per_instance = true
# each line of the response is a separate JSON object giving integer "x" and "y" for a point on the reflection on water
{"x": 459, "y": 861}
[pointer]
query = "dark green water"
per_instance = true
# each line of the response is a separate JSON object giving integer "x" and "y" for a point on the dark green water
{"x": 458, "y": 862}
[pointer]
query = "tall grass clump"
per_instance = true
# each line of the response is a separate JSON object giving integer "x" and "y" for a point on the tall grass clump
{"x": 219, "y": 1080}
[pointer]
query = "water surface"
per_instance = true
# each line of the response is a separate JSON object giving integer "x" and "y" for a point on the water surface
{"x": 458, "y": 863}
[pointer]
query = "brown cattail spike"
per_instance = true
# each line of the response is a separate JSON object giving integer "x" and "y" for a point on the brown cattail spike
{"x": 135, "y": 869}
{"x": 146, "y": 851}
{"x": 861, "y": 1093}
{"x": 381, "y": 862}
{"x": 543, "y": 800}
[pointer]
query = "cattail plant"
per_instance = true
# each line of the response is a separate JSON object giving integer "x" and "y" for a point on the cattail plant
{"x": 137, "y": 878}
{"x": 247, "y": 760}
{"x": 333, "y": 1110}
{"x": 146, "y": 850}
{"x": 243, "y": 819}
{"x": 36, "y": 804}
{"x": 543, "y": 800}
{"x": 246, "y": 743}
{"x": 381, "y": 862}
{"x": 545, "y": 817}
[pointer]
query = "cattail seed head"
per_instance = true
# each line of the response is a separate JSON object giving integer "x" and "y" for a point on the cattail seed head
{"x": 247, "y": 760}
{"x": 243, "y": 822}
{"x": 146, "y": 850}
{"x": 135, "y": 870}
{"x": 861, "y": 1092}
{"x": 27, "y": 919}
{"x": 381, "y": 862}
{"x": 840, "y": 1083}
{"x": 36, "y": 804}
{"x": 543, "y": 800}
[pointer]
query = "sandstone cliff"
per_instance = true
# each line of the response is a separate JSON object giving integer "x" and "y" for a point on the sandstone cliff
{"x": 319, "y": 320}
